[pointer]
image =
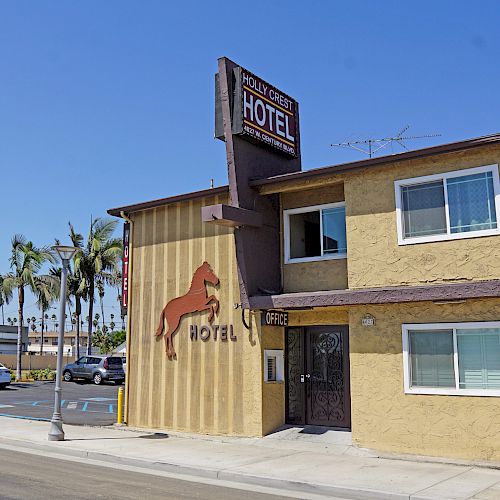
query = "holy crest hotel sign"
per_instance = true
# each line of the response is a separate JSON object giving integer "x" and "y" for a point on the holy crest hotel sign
{"x": 269, "y": 115}
{"x": 262, "y": 113}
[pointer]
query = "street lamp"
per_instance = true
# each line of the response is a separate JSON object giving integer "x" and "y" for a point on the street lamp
{"x": 56, "y": 432}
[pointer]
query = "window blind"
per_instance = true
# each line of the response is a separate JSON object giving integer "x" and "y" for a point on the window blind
{"x": 479, "y": 358}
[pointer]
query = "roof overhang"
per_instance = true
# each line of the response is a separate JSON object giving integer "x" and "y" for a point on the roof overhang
{"x": 436, "y": 293}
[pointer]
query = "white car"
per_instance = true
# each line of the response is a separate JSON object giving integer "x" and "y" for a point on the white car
{"x": 4, "y": 376}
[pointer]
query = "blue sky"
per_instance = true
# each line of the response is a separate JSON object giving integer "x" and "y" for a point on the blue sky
{"x": 108, "y": 103}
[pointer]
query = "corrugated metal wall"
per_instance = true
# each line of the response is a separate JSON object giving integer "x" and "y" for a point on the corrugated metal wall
{"x": 212, "y": 386}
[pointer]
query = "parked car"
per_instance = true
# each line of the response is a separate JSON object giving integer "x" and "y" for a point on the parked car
{"x": 96, "y": 368}
{"x": 4, "y": 376}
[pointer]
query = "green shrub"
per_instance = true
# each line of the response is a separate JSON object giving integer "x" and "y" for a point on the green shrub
{"x": 48, "y": 374}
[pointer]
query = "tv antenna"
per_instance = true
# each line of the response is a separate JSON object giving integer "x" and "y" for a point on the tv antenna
{"x": 371, "y": 146}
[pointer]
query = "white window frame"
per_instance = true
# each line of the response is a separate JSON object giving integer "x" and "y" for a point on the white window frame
{"x": 286, "y": 231}
{"x": 280, "y": 365}
{"x": 448, "y": 391}
{"x": 443, "y": 177}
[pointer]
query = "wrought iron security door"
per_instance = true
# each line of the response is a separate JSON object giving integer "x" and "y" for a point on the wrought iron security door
{"x": 318, "y": 390}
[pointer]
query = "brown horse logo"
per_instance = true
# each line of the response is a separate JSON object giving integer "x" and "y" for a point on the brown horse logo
{"x": 195, "y": 300}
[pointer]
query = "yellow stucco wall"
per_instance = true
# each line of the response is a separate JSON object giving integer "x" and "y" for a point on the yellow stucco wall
{"x": 314, "y": 276}
{"x": 387, "y": 419}
{"x": 308, "y": 197}
{"x": 374, "y": 257}
{"x": 319, "y": 316}
{"x": 214, "y": 386}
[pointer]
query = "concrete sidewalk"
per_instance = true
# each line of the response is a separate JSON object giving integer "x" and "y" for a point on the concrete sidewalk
{"x": 302, "y": 466}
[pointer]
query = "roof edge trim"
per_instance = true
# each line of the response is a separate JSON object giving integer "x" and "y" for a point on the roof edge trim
{"x": 137, "y": 207}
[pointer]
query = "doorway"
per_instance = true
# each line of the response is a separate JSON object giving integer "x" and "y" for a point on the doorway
{"x": 317, "y": 376}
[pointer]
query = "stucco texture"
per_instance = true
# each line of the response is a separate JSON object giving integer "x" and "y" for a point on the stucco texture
{"x": 374, "y": 256}
{"x": 313, "y": 276}
{"x": 211, "y": 387}
{"x": 387, "y": 419}
{"x": 319, "y": 316}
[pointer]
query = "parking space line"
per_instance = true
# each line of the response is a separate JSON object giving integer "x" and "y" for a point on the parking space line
{"x": 25, "y": 417}
{"x": 96, "y": 403}
{"x": 98, "y": 400}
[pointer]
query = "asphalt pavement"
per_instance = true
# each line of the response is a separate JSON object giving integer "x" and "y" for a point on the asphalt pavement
{"x": 83, "y": 403}
{"x": 26, "y": 476}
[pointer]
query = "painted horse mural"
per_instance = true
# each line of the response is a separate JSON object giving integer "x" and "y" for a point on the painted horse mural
{"x": 195, "y": 300}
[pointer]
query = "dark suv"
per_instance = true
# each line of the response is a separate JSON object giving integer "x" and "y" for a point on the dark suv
{"x": 96, "y": 368}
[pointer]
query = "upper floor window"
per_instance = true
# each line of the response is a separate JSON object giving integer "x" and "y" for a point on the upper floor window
{"x": 460, "y": 204}
{"x": 315, "y": 233}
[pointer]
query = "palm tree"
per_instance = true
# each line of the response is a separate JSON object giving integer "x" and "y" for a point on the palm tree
{"x": 46, "y": 292}
{"x": 115, "y": 281}
{"x": 73, "y": 285}
{"x": 77, "y": 286}
{"x": 25, "y": 261}
{"x": 96, "y": 320}
{"x": 5, "y": 297}
{"x": 100, "y": 290}
{"x": 96, "y": 260}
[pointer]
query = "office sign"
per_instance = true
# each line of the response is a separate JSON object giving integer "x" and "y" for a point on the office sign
{"x": 274, "y": 318}
{"x": 126, "y": 253}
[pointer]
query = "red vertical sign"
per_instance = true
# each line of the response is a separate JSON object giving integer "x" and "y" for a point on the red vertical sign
{"x": 126, "y": 253}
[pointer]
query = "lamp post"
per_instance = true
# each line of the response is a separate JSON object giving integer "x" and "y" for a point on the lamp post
{"x": 56, "y": 432}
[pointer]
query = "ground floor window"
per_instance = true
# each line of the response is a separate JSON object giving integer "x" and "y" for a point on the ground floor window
{"x": 452, "y": 358}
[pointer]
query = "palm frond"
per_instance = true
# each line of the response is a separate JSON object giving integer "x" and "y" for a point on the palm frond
{"x": 76, "y": 238}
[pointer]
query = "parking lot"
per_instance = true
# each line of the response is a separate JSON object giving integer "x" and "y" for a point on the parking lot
{"x": 82, "y": 403}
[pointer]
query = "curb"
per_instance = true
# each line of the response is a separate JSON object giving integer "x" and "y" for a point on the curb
{"x": 191, "y": 473}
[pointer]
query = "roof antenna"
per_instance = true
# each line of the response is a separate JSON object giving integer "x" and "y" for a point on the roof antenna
{"x": 371, "y": 146}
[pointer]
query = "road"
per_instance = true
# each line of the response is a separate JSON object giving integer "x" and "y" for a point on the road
{"x": 26, "y": 476}
{"x": 83, "y": 403}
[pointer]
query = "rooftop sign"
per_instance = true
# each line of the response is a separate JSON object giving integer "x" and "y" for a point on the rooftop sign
{"x": 261, "y": 113}
{"x": 268, "y": 115}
